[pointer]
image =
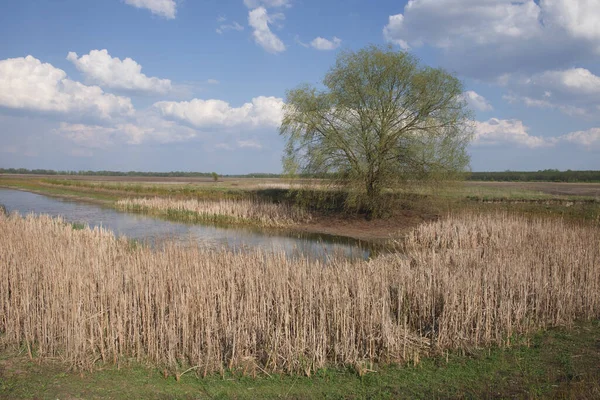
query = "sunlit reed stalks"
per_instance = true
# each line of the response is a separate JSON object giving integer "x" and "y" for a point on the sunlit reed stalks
{"x": 222, "y": 211}
{"x": 88, "y": 297}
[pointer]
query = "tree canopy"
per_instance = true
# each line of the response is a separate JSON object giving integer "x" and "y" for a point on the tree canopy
{"x": 380, "y": 119}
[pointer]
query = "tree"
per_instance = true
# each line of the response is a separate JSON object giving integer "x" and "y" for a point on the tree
{"x": 382, "y": 119}
{"x": 215, "y": 176}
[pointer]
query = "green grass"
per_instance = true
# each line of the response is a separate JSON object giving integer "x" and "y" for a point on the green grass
{"x": 78, "y": 226}
{"x": 58, "y": 191}
{"x": 558, "y": 363}
{"x": 139, "y": 189}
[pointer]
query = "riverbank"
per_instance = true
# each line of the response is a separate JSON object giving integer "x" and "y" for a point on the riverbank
{"x": 109, "y": 193}
{"x": 416, "y": 205}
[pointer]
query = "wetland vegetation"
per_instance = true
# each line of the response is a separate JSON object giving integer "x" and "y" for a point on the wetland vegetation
{"x": 460, "y": 289}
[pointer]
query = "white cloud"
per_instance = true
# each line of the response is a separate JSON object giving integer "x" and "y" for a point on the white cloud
{"x": 477, "y": 101}
{"x": 28, "y": 84}
{"x": 392, "y": 32}
{"x": 576, "y": 81}
{"x": 486, "y": 39}
{"x": 262, "y": 112}
{"x": 501, "y": 131}
{"x": 320, "y": 43}
{"x": 249, "y": 144}
{"x": 259, "y": 20}
{"x": 588, "y": 138}
{"x": 574, "y": 91}
{"x": 145, "y": 128}
{"x": 579, "y": 18}
{"x": 99, "y": 67}
{"x": 544, "y": 103}
{"x": 234, "y": 26}
{"x": 162, "y": 8}
{"x": 92, "y": 136}
{"x": 267, "y": 3}
{"x": 212, "y": 81}
{"x": 300, "y": 42}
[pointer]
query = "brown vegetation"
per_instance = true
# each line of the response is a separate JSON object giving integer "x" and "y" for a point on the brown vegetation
{"x": 85, "y": 296}
{"x": 240, "y": 211}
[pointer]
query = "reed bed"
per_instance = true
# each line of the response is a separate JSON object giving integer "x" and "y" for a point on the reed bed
{"x": 240, "y": 211}
{"x": 86, "y": 296}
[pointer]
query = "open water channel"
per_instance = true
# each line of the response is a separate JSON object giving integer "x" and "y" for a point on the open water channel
{"x": 153, "y": 231}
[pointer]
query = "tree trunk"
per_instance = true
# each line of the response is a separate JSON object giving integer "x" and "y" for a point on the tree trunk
{"x": 373, "y": 200}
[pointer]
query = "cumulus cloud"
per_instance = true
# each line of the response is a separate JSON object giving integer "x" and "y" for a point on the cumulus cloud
{"x": 588, "y": 138}
{"x": 145, "y": 128}
{"x": 502, "y": 131}
{"x": 393, "y": 31}
{"x": 320, "y": 43}
{"x": 573, "y": 81}
{"x": 28, "y": 84}
{"x": 162, "y": 8}
{"x": 99, "y": 67}
{"x": 567, "y": 109}
{"x": 579, "y": 19}
{"x": 574, "y": 91}
{"x": 259, "y": 20}
{"x": 477, "y": 101}
{"x": 267, "y": 3}
{"x": 92, "y": 136}
{"x": 262, "y": 112}
{"x": 485, "y": 39}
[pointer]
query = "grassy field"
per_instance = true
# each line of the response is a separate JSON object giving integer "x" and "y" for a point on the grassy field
{"x": 119, "y": 187}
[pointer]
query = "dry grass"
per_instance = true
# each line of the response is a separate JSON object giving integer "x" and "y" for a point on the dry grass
{"x": 85, "y": 296}
{"x": 226, "y": 211}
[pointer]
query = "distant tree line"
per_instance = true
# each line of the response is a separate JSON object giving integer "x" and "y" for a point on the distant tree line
{"x": 104, "y": 173}
{"x": 175, "y": 174}
{"x": 547, "y": 175}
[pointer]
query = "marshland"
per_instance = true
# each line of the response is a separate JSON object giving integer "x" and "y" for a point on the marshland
{"x": 471, "y": 274}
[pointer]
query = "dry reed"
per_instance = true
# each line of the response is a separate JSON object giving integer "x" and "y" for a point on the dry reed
{"x": 225, "y": 211}
{"x": 87, "y": 296}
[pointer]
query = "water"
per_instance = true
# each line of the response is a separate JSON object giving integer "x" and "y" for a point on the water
{"x": 153, "y": 231}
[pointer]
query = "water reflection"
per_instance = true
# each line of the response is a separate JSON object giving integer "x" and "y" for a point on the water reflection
{"x": 154, "y": 231}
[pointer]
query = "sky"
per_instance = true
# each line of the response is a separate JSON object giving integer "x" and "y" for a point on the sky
{"x": 199, "y": 85}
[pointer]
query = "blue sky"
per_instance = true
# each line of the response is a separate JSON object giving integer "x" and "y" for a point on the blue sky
{"x": 198, "y": 85}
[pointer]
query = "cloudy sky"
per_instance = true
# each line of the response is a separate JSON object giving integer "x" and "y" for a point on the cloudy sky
{"x": 198, "y": 85}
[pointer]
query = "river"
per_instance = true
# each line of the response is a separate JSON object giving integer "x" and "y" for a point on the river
{"x": 152, "y": 230}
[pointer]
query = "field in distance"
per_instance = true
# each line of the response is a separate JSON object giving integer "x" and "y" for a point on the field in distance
{"x": 548, "y": 188}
